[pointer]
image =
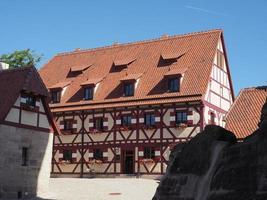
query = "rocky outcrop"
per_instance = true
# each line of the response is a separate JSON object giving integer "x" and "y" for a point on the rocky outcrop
{"x": 214, "y": 166}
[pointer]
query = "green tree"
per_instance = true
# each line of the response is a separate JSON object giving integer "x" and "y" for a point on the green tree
{"x": 21, "y": 58}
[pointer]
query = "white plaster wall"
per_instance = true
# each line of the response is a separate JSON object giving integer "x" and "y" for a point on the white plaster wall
{"x": 13, "y": 115}
{"x": 28, "y": 118}
{"x": 43, "y": 121}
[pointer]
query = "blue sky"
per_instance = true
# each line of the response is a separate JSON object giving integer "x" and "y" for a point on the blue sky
{"x": 53, "y": 26}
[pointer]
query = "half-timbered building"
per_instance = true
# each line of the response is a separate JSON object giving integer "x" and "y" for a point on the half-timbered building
{"x": 120, "y": 108}
{"x": 26, "y": 134}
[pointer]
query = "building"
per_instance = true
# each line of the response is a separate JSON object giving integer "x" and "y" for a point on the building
{"x": 26, "y": 127}
{"x": 120, "y": 108}
{"x": 244, "y": 115}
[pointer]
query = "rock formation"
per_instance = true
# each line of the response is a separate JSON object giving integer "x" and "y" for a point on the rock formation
{"x": 214, "y": 166}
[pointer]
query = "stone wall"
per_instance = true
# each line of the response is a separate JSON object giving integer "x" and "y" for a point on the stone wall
{"x": 30, "y": 180}
{"x": 214, "y": 166}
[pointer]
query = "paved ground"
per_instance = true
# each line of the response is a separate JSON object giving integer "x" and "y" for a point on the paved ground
{"x": 102, "y": 189}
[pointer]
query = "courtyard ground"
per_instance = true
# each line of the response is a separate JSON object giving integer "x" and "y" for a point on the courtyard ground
{"x": 101, "y": 189}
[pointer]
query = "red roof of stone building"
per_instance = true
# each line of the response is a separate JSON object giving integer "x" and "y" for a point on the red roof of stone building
{"x": 194, "y": 54}
{"x": 244, "y": 115}
{"x": 15, "y": 81}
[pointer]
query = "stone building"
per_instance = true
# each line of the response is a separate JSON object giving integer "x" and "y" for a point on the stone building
{"x": 244, "y": 115}
{"x": 26, "y": 134}
{"x": 121, "y": 108}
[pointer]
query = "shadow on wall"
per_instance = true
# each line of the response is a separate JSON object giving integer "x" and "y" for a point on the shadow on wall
{"x": 25, "y": 162}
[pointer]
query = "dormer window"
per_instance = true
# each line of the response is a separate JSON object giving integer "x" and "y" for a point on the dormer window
{"x": 128, "y": 89}
{"x": 173, "y": 78}
{"x": 55, "y": 95}
{"x": 174, "y": 84}
{"x": 88, "y": 93}
{"x": 129, "y": 83}
{"x": 57, "y": 90}
{"x": 89, "y": 88}
{"x": 30, "y": 100}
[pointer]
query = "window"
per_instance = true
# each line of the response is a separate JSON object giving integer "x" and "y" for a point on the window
{"x": 220, "y": 59}
{"x": 149, "y": 119}
{"x": 149, "y": 153}
{"x": 173, "y": 85}
{"x": 24, "y": 156}
{"x": 98, "y": 124}
{"x": 88, "y": 93}
{"x": 56, "y": 96}
{"x": 181, "y": 117}
{"x": 67, "y": 155}
{"x": 68, "y": 125}
{"x": 126, "y": 120}
{"x": 30, "y": 101}
{"x": 98, "y": 154}
{"x": 128, "y": 89}
{"x": 212, "y": 118}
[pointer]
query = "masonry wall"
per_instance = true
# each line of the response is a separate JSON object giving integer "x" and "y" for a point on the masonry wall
{"x": 32, "y": 179}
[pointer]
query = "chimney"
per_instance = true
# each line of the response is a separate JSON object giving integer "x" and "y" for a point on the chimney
{"x": 4, "y": 66}
{"x": 164, "y": 36}
{"x": 77, "y": 49}
{"x": 115, "y": 44}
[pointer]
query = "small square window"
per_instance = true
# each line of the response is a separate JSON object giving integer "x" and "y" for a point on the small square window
{"x": 126, "y": 120}
{"x": 149, "y": 153}
{"x": 181, "y": 117}
{"x": 67, "y": 155}
{"x": 98, "y": 124}
{"x": 129, "y": 89}
{"x": 174, "y": 85}
{"x": 25, "y": 156}
{"x": 31, "y": 101}
{"x": 98, "y": 154}
{"x": 88, "y": 93}
{"x": 68, "y": 124}
{"x": 56, "y": 95}
{"x": 150, "y": 119}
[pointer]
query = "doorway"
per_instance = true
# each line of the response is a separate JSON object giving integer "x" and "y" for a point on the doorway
{"x": 128, "y": 161}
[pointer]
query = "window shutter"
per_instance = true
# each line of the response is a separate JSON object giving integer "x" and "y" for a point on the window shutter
{"x": 157, "y": 119}
{"x": 60, "y": 155}
{"x": 61, "y": 123}
{"x": 74, "y": 155}
{"x": 91, "y": 125}
{"x": 105, "y": 154}
{"x": 74, "y": 126}
{"x": 105, "y": 124}
{"x": 140, "y": 152}
{"x": 190, "y": 117}
{"x": 142, "y": 119}
{"x": 157, "y": 153}
{"x": 172, "y": 119}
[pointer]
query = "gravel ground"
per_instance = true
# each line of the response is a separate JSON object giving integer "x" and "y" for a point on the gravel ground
{"x": 101, "y": 189}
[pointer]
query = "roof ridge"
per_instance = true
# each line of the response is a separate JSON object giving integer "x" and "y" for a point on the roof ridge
{"x": 15, "y": 69}
{"x": 264, "y": 87}
{"x": 140, "y": 42}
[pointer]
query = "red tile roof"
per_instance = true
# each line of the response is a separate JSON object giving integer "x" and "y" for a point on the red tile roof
{"x": 13, "y": 82}
{"x": 129, "y": 77}
{"x": 244, "y": 115}
{"x": 175, "y": 71}
{"x": 79, "y": 68}
{"x": 124, "y": 61}
{"x": 60, "y": 85}
{"x": 199, "y": 49}
{"x": 92, "y": 81}
{"x": 171, "y": 55}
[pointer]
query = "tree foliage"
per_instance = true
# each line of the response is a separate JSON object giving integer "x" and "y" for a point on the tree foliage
{"x": 21, "y": 58}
